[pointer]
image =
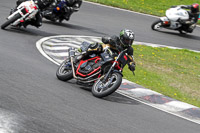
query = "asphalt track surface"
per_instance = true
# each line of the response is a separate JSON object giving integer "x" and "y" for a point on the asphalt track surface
{"x": 32, "y": 100}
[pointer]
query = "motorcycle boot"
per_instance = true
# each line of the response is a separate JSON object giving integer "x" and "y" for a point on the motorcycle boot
{"x": 49, "y": 15}
{"x": 68, "y": 15}
{"x": 191, "y": 28}
{"x": 37, "y": 21}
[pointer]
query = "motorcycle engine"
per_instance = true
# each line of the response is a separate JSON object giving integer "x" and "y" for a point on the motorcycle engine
{"x": 88, "y": 67}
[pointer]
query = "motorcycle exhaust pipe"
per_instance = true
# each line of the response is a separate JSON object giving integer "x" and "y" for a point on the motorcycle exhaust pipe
{"x": 72, "y": 63}
{"x": 71, "y": 55}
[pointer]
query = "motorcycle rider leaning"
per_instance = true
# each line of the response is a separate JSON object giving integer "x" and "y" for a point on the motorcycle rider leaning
{"x": 193, "y": 15}
{"x": 117, "y": 44}
{"x": 71, "y": 6}
{"x": 42, "y": 4}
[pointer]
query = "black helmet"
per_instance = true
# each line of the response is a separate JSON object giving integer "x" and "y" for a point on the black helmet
{"x": 70, "y": 2}
{"x": 126, "y": 37}
{"x": 195, "y": 8}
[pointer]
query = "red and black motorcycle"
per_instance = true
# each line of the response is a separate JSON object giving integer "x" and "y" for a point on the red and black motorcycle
{"x": 103, "y": 71}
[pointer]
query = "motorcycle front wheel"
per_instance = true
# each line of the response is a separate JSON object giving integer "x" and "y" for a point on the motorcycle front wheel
{"x": 13, "y": 19}
{"x": 101, "y": 89}
{"x": 157, "y": 25}
{"x": 64, "y": 71}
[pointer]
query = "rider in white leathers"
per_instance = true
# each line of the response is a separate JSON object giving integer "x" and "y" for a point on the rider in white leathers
{"x": 193, "y": 15}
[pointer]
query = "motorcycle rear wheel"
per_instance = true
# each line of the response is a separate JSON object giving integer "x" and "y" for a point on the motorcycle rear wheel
{"x": 13, "y": 19}
{"x": 64, "y": 73}
{"x": 157, "y": 25}
{"x": 100, "y": 92}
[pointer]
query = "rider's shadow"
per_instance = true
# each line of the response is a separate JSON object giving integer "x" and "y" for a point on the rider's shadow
{"x": 118, "y": 98}
{"x": 73, "y": 26}
{"x": 188, "y": 36}
{"x": 30, "y": 31}
{"x": 115, "y": 97}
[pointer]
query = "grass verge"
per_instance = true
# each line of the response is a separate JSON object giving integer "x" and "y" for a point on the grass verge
{"x": 172, "y": 72}
{"x": 153, "y": 7}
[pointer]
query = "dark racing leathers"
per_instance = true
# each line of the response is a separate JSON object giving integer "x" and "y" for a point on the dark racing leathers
{"x": 37, "y": 21}
{"x": 69, "y": 8}
{"x": 114, "y": 44}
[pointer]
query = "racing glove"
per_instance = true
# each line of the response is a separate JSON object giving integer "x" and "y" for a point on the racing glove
{"x": 132, "y": 66}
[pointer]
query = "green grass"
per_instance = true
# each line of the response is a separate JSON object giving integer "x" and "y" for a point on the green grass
{"x": 174, "y": 73}
{"x": 154, "y": 7}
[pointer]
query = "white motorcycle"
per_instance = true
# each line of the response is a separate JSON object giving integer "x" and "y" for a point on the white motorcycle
{"x": 172, "y": 21}
{"x": 24, "y": 12}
